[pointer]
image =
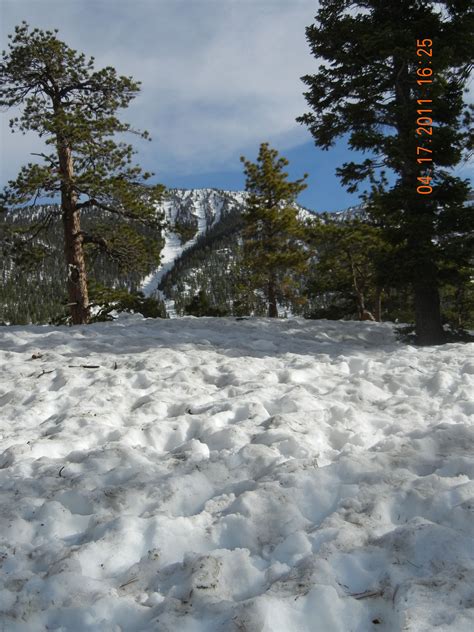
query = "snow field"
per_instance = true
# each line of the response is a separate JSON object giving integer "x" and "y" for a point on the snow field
{"x": 222, "y": 475}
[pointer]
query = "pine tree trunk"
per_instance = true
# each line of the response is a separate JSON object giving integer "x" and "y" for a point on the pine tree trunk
{"x": 428, "y": 324}
{"x": 272, "y": 302}
{"x": 378, "y": 304}
{"x": 361, "y": 311}
{"x": 73, "y": 242}
{"x": 428, "y": 327}
{"x": 458, "y": 302}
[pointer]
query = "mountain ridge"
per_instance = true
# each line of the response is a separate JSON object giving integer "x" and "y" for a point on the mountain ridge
{"x": 203, "y": 209}
{"x": 198, "y": 210}
{"x": 207, "y": 218}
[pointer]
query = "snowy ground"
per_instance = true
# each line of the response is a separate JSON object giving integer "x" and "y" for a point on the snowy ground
{"x": 234, "y": 476}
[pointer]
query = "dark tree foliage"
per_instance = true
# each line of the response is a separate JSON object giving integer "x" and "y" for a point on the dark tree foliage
{"x": 186, "y": 230}
{"x": 107, "y": 301}
{"x": 366, "y": 87}
{"x": 31, "y": 278}
{"x": 200, "y": 306}
{"x": 73, "y": 108}
{"x": 346, "y": 263}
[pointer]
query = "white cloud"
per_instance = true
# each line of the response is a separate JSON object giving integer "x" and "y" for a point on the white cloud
{"x": 219, "y": 76}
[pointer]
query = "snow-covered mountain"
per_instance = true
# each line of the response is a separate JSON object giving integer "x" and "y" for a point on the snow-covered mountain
{"x": 202, "y": 225}
{"x": 195, "y": 210}
{"x": 202, "y": 206}
{"x": 205, "y": 207}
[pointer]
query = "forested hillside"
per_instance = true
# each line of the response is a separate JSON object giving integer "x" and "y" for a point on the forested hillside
{"x": 202, "y": 271}
{"x": 33, "y": 283}
{"x": 32, "y": 288}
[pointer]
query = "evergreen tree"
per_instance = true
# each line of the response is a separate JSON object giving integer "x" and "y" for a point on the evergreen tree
{"x": 273, "y": 247}
{"x": 382, "y": 63}
{"x": 347, "y": 257}
{"x": 200, "y": 305}
{"x": 73, "y": 107}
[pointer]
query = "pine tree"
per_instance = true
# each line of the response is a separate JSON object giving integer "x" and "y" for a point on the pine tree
{"x": 273, "y": 235}
{"x": 73, "y": 107}
{"x": 347, "y": 256}
{"x": 383, "y": 62}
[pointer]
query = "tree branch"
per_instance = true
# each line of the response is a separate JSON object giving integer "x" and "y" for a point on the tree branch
{"x": 93, "y": 202}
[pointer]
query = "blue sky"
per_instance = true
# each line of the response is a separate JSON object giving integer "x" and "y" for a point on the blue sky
{"x": 218, "y": 78}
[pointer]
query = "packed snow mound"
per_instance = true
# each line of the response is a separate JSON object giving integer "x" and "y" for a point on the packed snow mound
{"x": 204, "y": 475}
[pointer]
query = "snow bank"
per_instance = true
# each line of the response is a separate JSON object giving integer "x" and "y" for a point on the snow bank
{"x": 209, "y": 475}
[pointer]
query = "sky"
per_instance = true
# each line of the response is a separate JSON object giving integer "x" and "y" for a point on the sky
{"x": 219, "y": 77}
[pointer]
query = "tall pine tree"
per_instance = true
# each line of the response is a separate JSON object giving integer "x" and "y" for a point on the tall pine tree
{"x": 73, "y": 108}
{"x": 273, "y": 235}
{"x": 381, "y": 63}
